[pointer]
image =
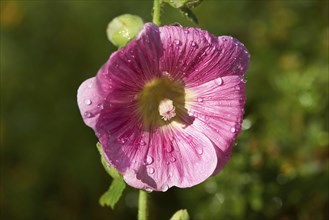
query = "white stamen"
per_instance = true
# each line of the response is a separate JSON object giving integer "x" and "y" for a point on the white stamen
{"x": 167, "y": 109}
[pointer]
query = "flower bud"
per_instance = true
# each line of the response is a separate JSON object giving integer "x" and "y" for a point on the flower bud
{"x": 183, "y": 3}
{"x": 123, "y": 29}
{"x": 180, "y": 215}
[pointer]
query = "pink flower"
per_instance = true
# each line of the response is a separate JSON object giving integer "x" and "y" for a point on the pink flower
{"x": 168, "y": 106}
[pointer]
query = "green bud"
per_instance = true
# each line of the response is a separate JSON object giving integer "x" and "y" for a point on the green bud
{"x": 183, "y": 3}
{"x": 123, "y": 29}
{"x": 180, "y": 215}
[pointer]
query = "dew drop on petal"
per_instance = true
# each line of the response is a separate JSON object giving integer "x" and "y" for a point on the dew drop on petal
{"x": 148, "y": 189}
{"x": 200, "y": 99}
{"x": 169, "y": 148}
{"x": 100, "y": 106}
{"x": 88, "y": 114}
{"x": 232, "y": 130}
{"x": 149, "y": 160}
{"x": 142, "y": 142}
{"x": 177, "y": 42}
{"x": 150, "y": 170}
{"x": 88, "y": 102}
{"x": 186, "y": 31}
{"x": 194, "y": 44}
{"x": 219, "y": 81}
{"x": 164, "y": 187}
{"x": 167, "y": 162}
{"x": 173, "y": 159}
{"x": 199, "y": 150}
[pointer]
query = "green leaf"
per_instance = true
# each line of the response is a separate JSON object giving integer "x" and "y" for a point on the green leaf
{"x": 109, "y": 169}
{"x": 113, "y": 194}
{"x": 180, "y": 215}
{"x": 189, "y": 14}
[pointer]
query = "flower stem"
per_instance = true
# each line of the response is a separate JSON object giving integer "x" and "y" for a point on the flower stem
{"x": 156, "y": 12}
{"x": 142, "y": 205}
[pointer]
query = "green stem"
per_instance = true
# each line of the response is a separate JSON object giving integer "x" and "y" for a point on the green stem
{"x": 142, "y": 205}
{"x": 156, "y": 12}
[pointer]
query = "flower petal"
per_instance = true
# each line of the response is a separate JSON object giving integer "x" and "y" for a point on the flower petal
{"x": 90, "y": 101}
{"x": 137, "y": 63}
{"x": 218, "y": 108}
{"x": 194, "y": 56}
{"x": 171, "y": 156}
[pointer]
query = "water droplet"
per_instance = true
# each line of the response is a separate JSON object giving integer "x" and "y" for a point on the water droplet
{"x": 237, "y": 87}
{"x": 177, "y": 42}
{"x": 90, "y": 85}
{"x": 148, "y": 189}
{"x": 142, "y": 143}
{"x": 200, "y": 99}
{"x": 164, "y": 188}
{"x": 169, "y": 148}
{"x": 186, "y": 31}
{"x": 199, "y": 150}
{"x": 150, "y": 170}
{"x": 149, "y": 160}
{"x": 194, "y": 44}
{"x": 88, "y": 102}
{"x": 100, "y": 106}
{"x": 173, "y": 159}
{"x": 88, "y": 114}
{"x": 170, "y": 174}
{"x": 123, "y": 140}
{"x": 233, "y": 130}
{"x": 167, "y": 162}
{"x": 219, "y": 81}
{"x": 129, "y": 60}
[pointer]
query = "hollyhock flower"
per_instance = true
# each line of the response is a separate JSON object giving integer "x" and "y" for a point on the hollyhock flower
{"x": 168, "y": 106}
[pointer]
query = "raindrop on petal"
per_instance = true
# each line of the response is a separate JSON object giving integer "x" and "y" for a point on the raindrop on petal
{"x": 232, "y": 130}
{"x": 149, "y": 160}
{"x": 164, "y": 188}
{"x": 100, "y": 106}
{"x": 177, "y": 42}
{"x": 199, "y": 150}
{"x": 194, "y": 44}
{"x": 142, "y": 143}
{"x": 173, "y": 159}
{"x": 219, "y": 81}
{"x": 148, "y": 189}
{"x": 150, "y": 170}
{"x": 169, "y": 148}
{"x": 186, "y": 31}
{"x": 88, "y": 114}
{"x": 200, "y": 99}
{"x": 88, "y": 102}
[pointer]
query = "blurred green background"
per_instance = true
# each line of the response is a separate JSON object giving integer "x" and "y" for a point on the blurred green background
{"x": 50, "y": 167}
